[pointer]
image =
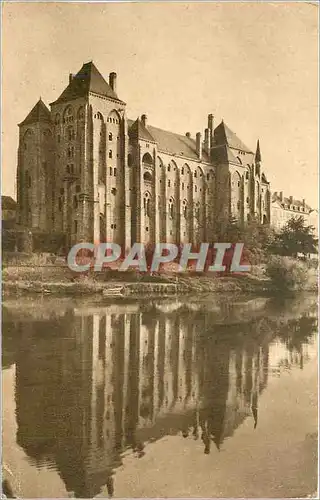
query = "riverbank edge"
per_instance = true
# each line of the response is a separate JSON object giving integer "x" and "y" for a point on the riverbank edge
{"x": 174, "y": 286}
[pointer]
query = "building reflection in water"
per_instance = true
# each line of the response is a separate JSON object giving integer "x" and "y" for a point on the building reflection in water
{"x": 94, "y": 383}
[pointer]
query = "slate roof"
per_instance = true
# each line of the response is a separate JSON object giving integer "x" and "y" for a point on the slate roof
{"x": 39, "y": 113}
{"x": 168, "y": 142}
{"x": 8, "y": 203}
{"x": 224, "y": 135}
{"x": 88, "y": 79}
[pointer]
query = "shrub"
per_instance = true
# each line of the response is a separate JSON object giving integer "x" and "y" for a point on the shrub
{"x": 286, "y": 274}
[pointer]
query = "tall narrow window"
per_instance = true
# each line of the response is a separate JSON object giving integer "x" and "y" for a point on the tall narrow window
{"x": 110, "y": 136}
{"x": 110, "y": 153}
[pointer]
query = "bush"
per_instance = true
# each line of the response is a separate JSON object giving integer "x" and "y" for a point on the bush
{"x": 286, "y": 274}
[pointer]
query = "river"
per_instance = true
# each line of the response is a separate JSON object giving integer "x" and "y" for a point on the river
{"x": 210, "y": 397}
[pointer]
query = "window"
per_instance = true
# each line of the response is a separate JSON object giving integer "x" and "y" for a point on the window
{"x": 185, "y": 209}
{"x": 147, "y": 229}
{"x": 238, "y": 183}
{"x": 110, "y": 136}
{"x": 75, "y": 226}
{"x": 169, "y": 183}
{"x": 182, "y": 186}
{"x": 114, "y": 172}
{"x": 247, "y": 200}
{"x": 169, "y": 168}
{"x": 147, "y": 177}
{"x": 110, "y": 153}
{"x": 208, "y": 177}
{"x": 195, "y": 188}
{"x": 70, "y": 134}
{"x": 113, "y": 191}
{"x": 195, "y": 174}
{"x": 182, "y": 171}
{"x": 110, "y": 170}
{"x": 247, "y": 175}
{"x": 75, "y": 202}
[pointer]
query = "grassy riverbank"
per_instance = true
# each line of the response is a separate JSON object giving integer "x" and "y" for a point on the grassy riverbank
{"x": 59, "y": 280}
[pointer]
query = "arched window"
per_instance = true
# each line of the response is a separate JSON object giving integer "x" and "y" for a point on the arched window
{"x": 147, "y": 159}
{"x": 147, "y": 204}
{"x": 247, "y": 174}
{"x": 171, "y": 208}
{"x": 81, "y": 113}
{"x": 110, "y": 136}
{"x": 110, "y": 153}
{"x": 68, "y": 115}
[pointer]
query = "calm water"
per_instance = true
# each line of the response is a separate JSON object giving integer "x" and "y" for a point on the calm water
{"x": 170, "y": 398}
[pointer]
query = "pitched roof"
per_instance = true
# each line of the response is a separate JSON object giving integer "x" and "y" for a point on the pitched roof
{"x": 8, "y": 203}
{"x": 88, "y": 79}
{"x": 224, "y": 135}
{"x": 137, "y": 129}
{"x": 286, "y": 202}
{"x": 168, "y": 142}
{"x": 39, "y": 113}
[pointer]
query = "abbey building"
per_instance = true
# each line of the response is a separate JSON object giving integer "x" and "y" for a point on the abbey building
{"x": 88, "y": 171}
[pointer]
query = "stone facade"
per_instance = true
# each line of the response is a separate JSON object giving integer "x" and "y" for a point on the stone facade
{"x": 88, "y": 171}
{"x": 283, "y": 209}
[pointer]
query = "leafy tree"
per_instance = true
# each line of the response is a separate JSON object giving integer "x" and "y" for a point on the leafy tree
{"x": 294, "y": 238}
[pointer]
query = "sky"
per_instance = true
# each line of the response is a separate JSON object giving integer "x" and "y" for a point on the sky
{"x": 254, "y": 65}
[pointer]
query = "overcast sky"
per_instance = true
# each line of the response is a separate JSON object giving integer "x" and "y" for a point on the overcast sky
{"x": 252, "y": 64}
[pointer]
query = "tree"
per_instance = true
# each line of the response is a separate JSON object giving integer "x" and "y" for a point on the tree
{"x": 295, "y": 238}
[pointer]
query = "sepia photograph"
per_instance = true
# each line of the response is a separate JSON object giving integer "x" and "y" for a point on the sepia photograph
{"x": 159, "y": 236}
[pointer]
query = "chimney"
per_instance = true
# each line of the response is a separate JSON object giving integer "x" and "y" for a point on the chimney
{"x": 291, "y": 199}
{"x": 199, "y": 145}
{"x": 207, "y": 140}
{"x": 210, "y": 127}
{"x": 113, "y": 81}
{"x": 144, "y": 120}
{"x": 281, "y": 195}
{"x": 276, "y": 194}
{"x": 304, "y": 203}
{"x": 70, "y": 77}
{"x": 188, "y": 135}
